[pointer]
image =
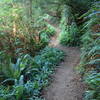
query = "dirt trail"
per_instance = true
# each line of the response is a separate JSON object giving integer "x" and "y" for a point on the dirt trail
{"x": 66, "y": 84}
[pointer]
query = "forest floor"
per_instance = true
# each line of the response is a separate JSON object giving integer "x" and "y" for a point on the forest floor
{"x": 66, "y": 84}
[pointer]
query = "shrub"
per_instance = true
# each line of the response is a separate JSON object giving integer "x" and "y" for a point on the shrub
{"x": 93, "y": 80}
{"x": 70, "y": 36}
{"x": 50, "y": 30}
{"x": 28, "y": 76}
{"x": 18, "y": 33}
{"x": 90, "y": 58}
{"x": 69, "y": 31}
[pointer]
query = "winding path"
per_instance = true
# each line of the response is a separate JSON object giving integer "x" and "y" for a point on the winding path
{"x": 66, "y": 84}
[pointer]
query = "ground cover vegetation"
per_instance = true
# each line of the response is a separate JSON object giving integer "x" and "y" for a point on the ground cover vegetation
{"x": 90, "y": 58}
{"x": 25, "y": 79}
{"x": 26, "y": 60}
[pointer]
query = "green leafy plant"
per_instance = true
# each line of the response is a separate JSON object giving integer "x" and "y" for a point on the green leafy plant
{"x": 90, "y": 58}
{"x": 18, "y": 33}
{"x": 70, "y": 33}
{"x": 50, "y": 30}
{"x": 28, "y": 76}
{"x": 93, "y": 80}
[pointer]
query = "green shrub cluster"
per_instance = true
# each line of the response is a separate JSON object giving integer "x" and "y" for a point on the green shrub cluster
{"x": 18, "y": 33}
{"x": 70, "y": 36}
{"x": 50, "y": 30}
{"x": 93, "y": 80}
{"x": 90, "y": 58}
{"x": 25, "y": 79}
{"x": 46, "y": 34}
{"x": 69, "y": 31}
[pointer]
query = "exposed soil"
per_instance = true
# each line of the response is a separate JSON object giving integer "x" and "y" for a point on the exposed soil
{"x": 66, "y": 84}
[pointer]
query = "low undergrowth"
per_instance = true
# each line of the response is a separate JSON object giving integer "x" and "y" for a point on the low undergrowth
{"x": 69, "y": 35}
{"x": 90, "y": 58}
{"x": 25, "y": 79}
{"x": 20, "y": 34}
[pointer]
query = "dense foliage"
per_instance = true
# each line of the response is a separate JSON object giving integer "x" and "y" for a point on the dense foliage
{"x": 19, "y": 33}
{"x": 70, "y": 33}
{"x": 25, "y": 60}
{"x": 25, "y": 79}
{"x": 90, "y": 58}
